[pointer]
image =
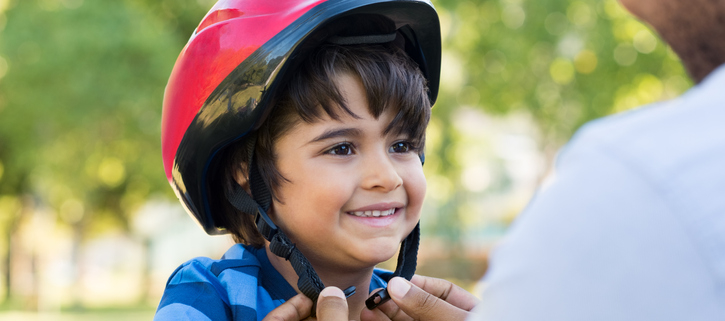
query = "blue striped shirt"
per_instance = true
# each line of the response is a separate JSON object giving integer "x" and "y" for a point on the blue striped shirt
{"x": 242, "y": 285}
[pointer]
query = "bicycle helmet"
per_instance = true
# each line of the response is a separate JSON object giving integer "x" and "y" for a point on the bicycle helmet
{"x": 222, "y": 83}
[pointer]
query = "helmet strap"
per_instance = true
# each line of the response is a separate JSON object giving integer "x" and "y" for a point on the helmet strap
{"x": 407, "y": 262}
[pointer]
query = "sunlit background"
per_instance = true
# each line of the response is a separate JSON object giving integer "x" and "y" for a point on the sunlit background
{"x": 90, "y": 229}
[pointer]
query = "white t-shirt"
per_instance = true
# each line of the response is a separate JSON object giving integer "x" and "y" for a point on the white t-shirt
{"x": 630, "y": 227}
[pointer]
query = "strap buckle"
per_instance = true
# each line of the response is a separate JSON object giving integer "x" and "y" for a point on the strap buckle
{"x": 379, "y": 297}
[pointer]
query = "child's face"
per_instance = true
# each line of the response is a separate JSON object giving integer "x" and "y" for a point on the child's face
{"x": 341, "y": 173}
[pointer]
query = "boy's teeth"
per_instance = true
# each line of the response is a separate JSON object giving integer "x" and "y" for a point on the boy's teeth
{"x": 373, "y": 213}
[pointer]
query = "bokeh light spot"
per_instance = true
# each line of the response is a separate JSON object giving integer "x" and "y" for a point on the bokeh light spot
{"x": 439, "y": 188}
{"x": 675, "y": 85}
{"x": 561, "y": 71}
{"x": 556, "y": 23}
{"x": 513, "y": 16}
{"x": 614, "y": 9}
{"x": 625, "y": 55}
{"x": 476, "y": 178}
{"x": 570, "y": 45}
{"x": 580, "y": 14}
{"x": 452, "y": 73}
{"x": 9, "y": 205}
{"x": 548, "y": 94}
{"x": 585, "y": 61}
{"x": 111, "y": 171}
{"x": 644, "y": 41}
{"x": 49, "y": 5}
{"x": 71, "y": 211}
{"x": 649, "y": 88}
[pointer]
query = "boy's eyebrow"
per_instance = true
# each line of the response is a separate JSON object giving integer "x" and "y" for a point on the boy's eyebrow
{"x": 333, "y": 133}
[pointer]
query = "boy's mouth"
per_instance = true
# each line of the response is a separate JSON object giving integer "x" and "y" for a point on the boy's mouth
{"x": 373, "y": 213}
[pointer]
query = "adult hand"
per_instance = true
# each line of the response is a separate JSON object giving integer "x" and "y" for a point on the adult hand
{"x": 331, "y": 306}
{"x": 424, "y": 299}
{"x": 297, "y": 308}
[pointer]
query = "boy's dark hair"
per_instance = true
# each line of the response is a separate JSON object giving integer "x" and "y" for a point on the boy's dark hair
{"x": 391, "y": 80}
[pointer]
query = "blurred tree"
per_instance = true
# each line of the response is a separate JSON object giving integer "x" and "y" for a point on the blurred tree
{"x": 81, "y": 84}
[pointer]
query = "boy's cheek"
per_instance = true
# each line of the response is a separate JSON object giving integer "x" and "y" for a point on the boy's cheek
{"x": 416, "y": 177}
{"x": 416, "y": 186}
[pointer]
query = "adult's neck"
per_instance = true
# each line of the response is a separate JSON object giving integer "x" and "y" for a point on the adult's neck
{"x": 331, "y": 276}
{"x": 695, "y": 30}
{"x": 702, "y": 56}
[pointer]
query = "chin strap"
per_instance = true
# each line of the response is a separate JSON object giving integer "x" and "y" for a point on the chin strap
{"x": 309, "y": 282}
{"x": 407, "y": 262}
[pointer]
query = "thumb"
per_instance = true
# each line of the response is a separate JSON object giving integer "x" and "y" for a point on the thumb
{"x": 421, "y": 305}
{"x": 332, "y": 305}
{"x": 295, "y": 309}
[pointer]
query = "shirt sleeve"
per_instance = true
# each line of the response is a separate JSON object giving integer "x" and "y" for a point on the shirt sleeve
{"x": 193, "y": 293}
{"x": 597, "y": 242}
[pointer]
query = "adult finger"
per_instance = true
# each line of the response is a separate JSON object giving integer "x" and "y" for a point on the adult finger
{"x": 297, "y": 308}
{"x": 332, "y": 305}
{"x": 446, "y": 291}
{"x": 424, "y": 306}
{"x": 387, "y": 311}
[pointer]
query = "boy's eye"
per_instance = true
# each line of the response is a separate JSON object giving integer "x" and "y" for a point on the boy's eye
{"x": 400, "y": 147}
{"x": 341, "y": 149}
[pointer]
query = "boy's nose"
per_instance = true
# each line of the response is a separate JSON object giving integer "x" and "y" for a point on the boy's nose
{"x": 381, "y": 174}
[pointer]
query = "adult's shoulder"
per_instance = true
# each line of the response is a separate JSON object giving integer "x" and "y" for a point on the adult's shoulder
{"x": 674, "y": 152}
{"x": 659, "y": 139}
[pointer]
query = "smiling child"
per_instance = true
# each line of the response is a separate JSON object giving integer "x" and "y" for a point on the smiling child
{"x": 298, "y": 128}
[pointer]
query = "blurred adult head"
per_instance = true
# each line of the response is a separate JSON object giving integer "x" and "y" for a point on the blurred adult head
{"x": 695, "y": 29}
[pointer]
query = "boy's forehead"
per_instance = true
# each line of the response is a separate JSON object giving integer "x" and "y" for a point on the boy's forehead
{"x": 354, "y": 96}
{"x": 362, "y": 123}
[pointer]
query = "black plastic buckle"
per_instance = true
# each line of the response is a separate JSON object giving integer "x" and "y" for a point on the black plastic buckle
{"x": 379, "y": 297}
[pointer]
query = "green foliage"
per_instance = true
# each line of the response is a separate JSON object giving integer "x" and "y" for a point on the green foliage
{"x": 80, "y": 103}
{"x": 564, "y": 61}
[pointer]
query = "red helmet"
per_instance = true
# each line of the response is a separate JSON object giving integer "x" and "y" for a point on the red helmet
{"x": 223, "y": 80}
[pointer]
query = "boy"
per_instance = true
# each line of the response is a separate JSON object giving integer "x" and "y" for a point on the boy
{"x": 298, "y": 127}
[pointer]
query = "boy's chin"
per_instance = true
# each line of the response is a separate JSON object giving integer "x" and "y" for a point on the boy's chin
{"x": 381, "y": 254}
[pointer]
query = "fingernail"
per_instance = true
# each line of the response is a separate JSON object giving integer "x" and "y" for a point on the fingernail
{"x": 398, "y": 287}
{"x": 332, "y": 291}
